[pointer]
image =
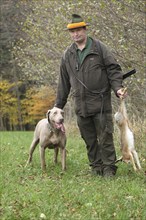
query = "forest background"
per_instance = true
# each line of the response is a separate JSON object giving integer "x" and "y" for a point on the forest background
{"x": 33, "y": 40}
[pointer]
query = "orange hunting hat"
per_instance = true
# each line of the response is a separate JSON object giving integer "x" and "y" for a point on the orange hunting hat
{"x": 77, "y": 21}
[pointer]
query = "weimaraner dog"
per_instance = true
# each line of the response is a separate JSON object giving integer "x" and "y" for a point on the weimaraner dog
{"x": 50, "y": 133}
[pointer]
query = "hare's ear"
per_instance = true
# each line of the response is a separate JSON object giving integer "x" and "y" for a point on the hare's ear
{"x": 48, "y": 114}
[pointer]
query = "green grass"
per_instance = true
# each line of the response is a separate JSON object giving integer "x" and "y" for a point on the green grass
{"x": 72, "y": 195}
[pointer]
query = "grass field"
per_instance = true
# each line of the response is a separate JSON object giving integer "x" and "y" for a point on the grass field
{"x": 27, "y": 194}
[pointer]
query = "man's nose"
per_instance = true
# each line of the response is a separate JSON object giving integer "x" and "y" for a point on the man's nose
{"x": 75, "y": 33}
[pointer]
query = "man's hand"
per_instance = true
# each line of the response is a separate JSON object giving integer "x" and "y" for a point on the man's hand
{"x": 122, "y": 93}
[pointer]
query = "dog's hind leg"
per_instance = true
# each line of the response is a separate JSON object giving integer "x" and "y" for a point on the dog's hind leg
{"x": 32, "y": 148}
{"x": 135, "y": 155}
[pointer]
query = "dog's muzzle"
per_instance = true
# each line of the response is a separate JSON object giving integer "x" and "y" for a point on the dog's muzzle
{"x": 60, "y": 126}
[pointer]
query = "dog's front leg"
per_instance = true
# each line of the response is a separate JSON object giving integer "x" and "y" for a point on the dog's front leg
{"x": 42, "y": 157}
{"x": 56, "y": 149}
{"x": 63, "y": 158}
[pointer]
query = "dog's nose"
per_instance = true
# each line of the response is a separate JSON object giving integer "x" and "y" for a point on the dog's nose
{"x": 61, "y": 120}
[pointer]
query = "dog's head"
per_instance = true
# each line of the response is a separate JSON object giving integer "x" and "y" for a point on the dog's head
{"x": 55, "y": 117}
{"x": 119, "y": 118}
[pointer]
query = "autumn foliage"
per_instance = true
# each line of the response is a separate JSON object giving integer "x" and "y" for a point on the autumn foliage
{"x": 37, "y": 102}
{"x": 28, "y": 110}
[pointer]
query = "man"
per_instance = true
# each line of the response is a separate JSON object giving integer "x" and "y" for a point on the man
{"x": 89, "y": 68}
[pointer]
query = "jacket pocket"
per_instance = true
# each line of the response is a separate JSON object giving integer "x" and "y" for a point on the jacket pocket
{"x": 93, "y": 102}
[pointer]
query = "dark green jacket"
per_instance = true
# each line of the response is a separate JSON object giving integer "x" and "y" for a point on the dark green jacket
{"x": 99, "y": 72}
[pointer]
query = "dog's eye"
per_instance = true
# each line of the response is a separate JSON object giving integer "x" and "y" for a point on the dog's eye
{"x": 55, "y": 113}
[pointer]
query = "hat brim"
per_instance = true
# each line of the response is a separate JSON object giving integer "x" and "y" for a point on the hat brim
{"x": 76, "y": 25}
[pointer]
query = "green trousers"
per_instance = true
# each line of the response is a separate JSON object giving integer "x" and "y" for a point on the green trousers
{"x": 97, "y": 132}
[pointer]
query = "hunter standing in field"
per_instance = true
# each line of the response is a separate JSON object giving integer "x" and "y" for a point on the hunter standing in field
{"x": 89, "y": 68}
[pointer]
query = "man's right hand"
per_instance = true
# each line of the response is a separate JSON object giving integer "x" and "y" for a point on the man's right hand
{"x": 122, "y": 93}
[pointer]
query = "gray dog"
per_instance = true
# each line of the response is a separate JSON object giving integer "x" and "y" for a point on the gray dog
{"x": 50, "y": 133}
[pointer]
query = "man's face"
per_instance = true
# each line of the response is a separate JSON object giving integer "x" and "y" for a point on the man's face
{"x": 78, "y": 35}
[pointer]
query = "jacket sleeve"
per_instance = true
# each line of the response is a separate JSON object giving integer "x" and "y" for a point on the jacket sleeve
{"x": 114, "y": 71}
{"x": 64, "y": 86}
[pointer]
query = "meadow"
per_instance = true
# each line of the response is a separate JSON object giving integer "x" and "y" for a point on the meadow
{"x": 29, "y": 194}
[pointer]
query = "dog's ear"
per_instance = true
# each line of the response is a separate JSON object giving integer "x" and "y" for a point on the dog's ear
{"x": 47, "y": 115}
